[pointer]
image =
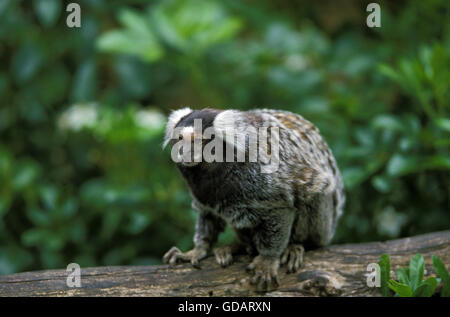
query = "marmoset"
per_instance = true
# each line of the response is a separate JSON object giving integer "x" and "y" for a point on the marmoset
{"x": 273, "y": 180}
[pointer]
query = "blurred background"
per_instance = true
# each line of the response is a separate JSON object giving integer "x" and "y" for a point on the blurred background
{"x": 82, "y": 112}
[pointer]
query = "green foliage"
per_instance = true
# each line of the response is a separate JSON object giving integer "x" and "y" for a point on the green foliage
{"x": 137, "y": 38}
{"x": 411, "y": 281}
{"x": 440, "y": 269}
{"x": 385, "y": 268}
{"x": 82, "y": 175}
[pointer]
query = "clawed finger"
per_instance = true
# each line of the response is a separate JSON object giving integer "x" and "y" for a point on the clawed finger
{"x": 293, "y": 258}
{"x": 169, "y": 254}
{"x": 294, "y": 264}
{"x": 264, "y": 282}
{"x": 223, "y": 258}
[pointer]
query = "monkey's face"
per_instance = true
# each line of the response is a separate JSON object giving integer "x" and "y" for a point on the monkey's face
{"x": 188, "y": 132}
{"x": 188, "y": 147}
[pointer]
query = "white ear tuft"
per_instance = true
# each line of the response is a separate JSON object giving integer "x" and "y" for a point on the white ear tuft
{"x": 229, "y": 125}
{"x": 226, "y": 120}
{"x": 172, "y": 121}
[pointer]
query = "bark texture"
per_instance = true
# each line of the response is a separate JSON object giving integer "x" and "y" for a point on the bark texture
{"x": 337, "y": 270}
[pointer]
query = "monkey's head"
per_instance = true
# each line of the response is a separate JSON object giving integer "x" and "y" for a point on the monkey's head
{"x": 189, "y": 131}
{"x": 209, "y": 138}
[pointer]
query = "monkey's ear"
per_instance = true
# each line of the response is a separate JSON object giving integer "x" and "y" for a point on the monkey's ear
{"x": 172, "y": 121}
{"x": 226, "y": 121}
{"x": 231, "y": 123}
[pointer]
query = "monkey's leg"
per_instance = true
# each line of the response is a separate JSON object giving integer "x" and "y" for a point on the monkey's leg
{"x": 271, "y": 239}
{"x": 293, "y": 257}
{"x": 293, "y": 254}
{"x": 243, "y": 245}
{"x": 207, "y": 230}
{"x": 322, "y": 220}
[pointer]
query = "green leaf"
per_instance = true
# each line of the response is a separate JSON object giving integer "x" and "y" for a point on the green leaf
{"x": 26, "y": 173}
{"x": 194, "y": 26}
{"x": 68, "y": 208}
{"x": 416, "y": 268}
{"x": 422, "y": 291}
{"x": 84, "y": 84}
{"x": 137, "y": 38}
{"x": 402, "y": 290}
{"x": 26, "y": 62}
{"x": 128, "y": 43}
{"x": 443, "y": 123}
{"x": 443, "y": 274}
{"x": 381, "y": 183}
{"x": 385, "y": 268}
{"x": 400, "y": 165}
{"x": 387, "y": 122}
{"x": 436, "y": 162}
{"x": 134, "y": 21}
{"x": 49, "y": 195}
{"x": 38, "y": 217}
{"x": 403, "y": 275}
{"x": 432, "y": 282}
{"x": 389, "y": 72}
{"x": 47, "y": 11}
{"x": 33, "y": 237}
{"x": 354, "y": 176}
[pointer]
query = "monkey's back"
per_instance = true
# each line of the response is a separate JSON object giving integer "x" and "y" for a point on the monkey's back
{"x": 307, "y": 164}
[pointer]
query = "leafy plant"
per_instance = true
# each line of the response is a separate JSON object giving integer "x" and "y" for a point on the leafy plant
{"x": 411, "y": 282}
{"x": 385, "y": 267}
{"x": 440, "y": 269}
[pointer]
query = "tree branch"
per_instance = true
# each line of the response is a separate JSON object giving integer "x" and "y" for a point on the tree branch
{"x": 337, "y": 270}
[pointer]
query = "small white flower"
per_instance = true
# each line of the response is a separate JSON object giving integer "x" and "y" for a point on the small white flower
{"x": 150, "y": 119}
{"x": 390, "y": 222}
{"x": 296, "y": 62}
{"x": 78, "y": 117}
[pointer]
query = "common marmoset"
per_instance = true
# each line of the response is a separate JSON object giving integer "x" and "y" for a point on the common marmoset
{"x": 274, "y": 213}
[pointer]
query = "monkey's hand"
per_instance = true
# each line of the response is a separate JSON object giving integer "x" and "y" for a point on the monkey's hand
{"x": 265, "y": 272}
{"x": 194, "y": 256}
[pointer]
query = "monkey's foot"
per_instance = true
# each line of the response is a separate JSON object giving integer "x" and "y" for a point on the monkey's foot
{"x": 265, "y": 272}
{"x": 194, "y": 256}
{"x": 224, "y": 255}
{"x": 293, "y": 257}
